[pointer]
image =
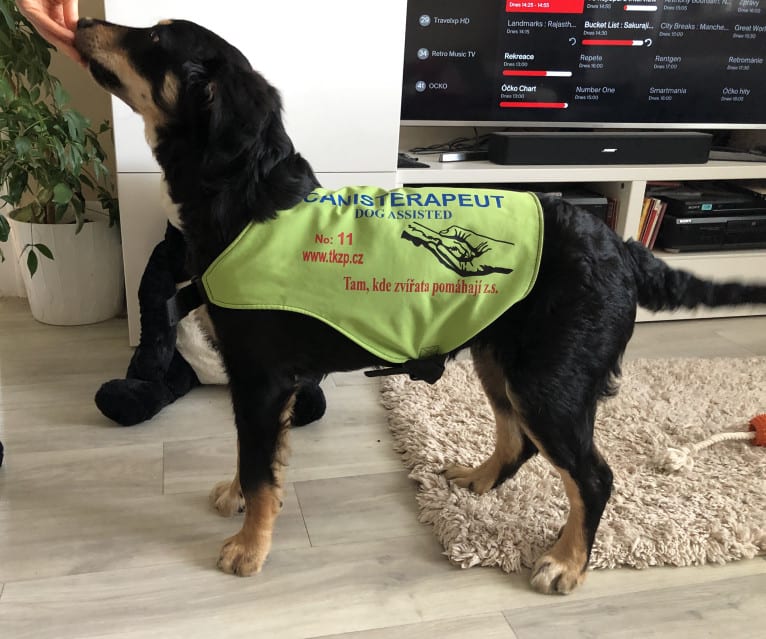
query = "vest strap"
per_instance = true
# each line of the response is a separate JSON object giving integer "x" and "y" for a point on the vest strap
{"x": 185, "y": 300}
{"x": 428, "y": 369}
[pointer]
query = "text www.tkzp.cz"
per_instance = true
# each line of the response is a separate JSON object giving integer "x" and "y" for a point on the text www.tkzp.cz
{"x": 333, "y": 257}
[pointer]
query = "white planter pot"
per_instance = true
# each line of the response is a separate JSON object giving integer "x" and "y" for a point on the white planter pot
{"x": 84, "y": 283}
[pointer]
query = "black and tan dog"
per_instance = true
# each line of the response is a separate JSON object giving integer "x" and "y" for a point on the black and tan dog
{"x": 215, "y": 127}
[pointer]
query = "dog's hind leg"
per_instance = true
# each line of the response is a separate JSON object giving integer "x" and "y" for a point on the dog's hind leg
{"x": 263, "y": 411}
{"x": 512, "y": 446}
{"x": 587, "y": 481}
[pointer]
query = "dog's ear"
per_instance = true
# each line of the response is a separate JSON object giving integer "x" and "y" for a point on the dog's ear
{"x": 196, "y": 98}
{"x": 240, "y": 115}
{"x": 243, "y": 116}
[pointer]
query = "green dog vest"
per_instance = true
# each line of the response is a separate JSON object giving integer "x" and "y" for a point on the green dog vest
{"x": 406, "y": 274}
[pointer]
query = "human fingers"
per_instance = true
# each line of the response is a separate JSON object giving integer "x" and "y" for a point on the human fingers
{"x": 51, "y": 27}
{"x": 62, "y": 40}
{"x": 71, "y": 15}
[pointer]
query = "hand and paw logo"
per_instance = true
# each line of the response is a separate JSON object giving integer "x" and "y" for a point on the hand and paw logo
{"x": 461, "y": 250}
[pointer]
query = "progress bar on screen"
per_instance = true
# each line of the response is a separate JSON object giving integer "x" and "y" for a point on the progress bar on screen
{"x": 614, "y": 43}
{"x": 540, "y": 74}
{"x": 534, "y": 105}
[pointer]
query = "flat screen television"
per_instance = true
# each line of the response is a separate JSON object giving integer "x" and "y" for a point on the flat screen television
{"x": 658, "y": 64}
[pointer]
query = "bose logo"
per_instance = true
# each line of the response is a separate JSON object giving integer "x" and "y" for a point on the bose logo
{"x": 609, "y": 150}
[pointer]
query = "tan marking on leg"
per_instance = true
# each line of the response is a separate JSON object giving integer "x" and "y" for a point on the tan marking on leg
{"x": 226, "y": 496}
{"x": 508, "y": 437}
{"x": 283, "y": 446}
{"x": 245, "y": 553}
{"x": 562, "y": 568}
{"x": 508, "y": 446}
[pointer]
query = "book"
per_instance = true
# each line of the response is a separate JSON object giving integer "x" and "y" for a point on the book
{"x": 644, "y": 212}
{"x": 657, "y": 225}
{"x": 611, "y": 213}
{"x": 651, "y": 218}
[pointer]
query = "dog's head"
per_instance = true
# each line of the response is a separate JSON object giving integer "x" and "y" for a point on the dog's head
{"x": 209, "y": 116}
{"x": 179, "y": 74}
{"x": 155, "y": 69}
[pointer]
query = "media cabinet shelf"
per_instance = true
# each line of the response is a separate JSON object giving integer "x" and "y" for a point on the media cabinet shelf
{"x": 464, "y": 172}
{"x": 627, "y": 184}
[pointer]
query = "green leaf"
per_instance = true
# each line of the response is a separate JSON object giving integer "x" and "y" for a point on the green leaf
{"x": 62, "y": 194}
{"x": 5, "y": 11}
{"x": 25, "y": 213}
{"x": 44, "y": 250}
{"x": 6, "y": 92}
{"x": 60, "y": 97}
{"x": 46, "y": 57}
{"x": 16, "y": 186}
{"x": 78, "y": 203}
{"x": 23, "y": 146}
{"x": 44, "y": 195}
{"x": 76, "y": 124}
{"x": 100, "y": 170}
{"x": 5, "y": 229}
{"x": 32, "y": 262}
{"x": 59, "y": 148}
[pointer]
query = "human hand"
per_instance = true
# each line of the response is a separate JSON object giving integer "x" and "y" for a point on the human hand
{"x": 54, "y": 20}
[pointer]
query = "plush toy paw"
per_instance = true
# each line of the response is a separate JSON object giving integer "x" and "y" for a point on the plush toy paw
{"x": 132, "y": 401}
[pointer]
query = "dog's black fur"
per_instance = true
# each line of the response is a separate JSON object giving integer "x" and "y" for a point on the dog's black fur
{"x": 215, "y": 127}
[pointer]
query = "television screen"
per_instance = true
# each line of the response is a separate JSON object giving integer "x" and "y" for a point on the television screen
{"x": 645, "y": 63}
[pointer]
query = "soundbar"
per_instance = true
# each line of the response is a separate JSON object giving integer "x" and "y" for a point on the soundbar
{"x": 571, "y": 147}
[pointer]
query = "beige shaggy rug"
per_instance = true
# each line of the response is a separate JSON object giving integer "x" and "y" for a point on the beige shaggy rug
{"x": 711, "y": 511}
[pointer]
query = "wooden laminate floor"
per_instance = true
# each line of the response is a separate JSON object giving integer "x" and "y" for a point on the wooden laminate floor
{"x": 106, "y": 532}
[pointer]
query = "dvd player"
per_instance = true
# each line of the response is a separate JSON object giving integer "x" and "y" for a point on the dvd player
{"x": 712, "y": 232}
{"x": 708, "y": 216}
{"x": 707, "y": 202}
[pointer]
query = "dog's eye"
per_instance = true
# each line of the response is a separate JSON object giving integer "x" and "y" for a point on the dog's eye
{"x": 154, "y": 36}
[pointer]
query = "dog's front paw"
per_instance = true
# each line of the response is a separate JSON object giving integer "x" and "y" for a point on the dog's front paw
{"x": 479, "y": 480}
{"x": 226, "y": 497}
{"x": 553, "y": 576}
{"x": 243, "y": 555}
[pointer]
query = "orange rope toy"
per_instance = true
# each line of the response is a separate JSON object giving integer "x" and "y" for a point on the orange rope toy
{"x": 676, "y": 459}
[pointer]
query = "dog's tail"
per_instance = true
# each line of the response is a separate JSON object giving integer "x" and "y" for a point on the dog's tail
{"x": 661, "y": 287}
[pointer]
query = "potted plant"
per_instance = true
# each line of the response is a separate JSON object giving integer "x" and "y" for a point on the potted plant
{"x": 57, "y": 206}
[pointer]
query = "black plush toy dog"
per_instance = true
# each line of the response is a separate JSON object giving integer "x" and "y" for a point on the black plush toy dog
{"x": 171, "y": 360}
